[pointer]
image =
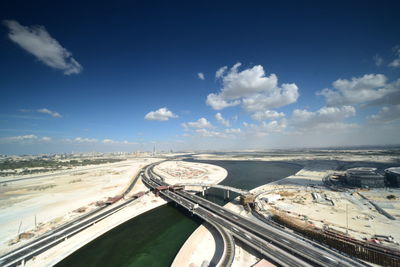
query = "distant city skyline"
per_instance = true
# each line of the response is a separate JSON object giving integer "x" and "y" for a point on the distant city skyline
{"x": 198, "y": 76}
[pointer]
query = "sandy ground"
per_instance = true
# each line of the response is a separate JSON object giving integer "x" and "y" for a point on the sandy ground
{"x": 64, "y": 249}
{"x": 202, "y": 237}
{"x": 315, "y": 168}
{"x": 175, "y": 172}
{"x": 306, "y": 156}
{"x": 55, "y": 200}
{"x": 143, "y": 204}
{"x": 346, "y": 212}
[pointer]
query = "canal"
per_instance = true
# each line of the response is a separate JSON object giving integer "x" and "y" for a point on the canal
{"x": 155, "y": 237}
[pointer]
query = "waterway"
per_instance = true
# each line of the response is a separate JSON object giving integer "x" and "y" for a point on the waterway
{"x": 155, "y": 237}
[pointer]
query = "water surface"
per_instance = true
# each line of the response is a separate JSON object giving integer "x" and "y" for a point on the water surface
{"x": 155, "y": 237}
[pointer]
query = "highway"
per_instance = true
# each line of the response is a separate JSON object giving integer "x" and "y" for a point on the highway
{"x": 280, "y": 240}
{"x": 63, "y": 232}
{"x": 269, "y": 250}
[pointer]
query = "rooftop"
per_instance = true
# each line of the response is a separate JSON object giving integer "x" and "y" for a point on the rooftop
{"x": 393, "y": 170}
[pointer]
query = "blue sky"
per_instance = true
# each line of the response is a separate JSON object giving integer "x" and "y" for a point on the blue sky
{"x": 86, "y": 76}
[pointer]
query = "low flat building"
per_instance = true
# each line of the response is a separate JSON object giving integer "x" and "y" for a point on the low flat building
{"x": 365, "y": 177}
{"x": 393, "y": 176}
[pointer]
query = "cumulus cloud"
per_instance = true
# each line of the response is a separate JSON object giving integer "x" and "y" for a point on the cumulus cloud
{"x": 386, "y": 114}
{"x": 278, "y": 97}
{"x": 252, "y": 88}
{"x": 227, "y": 133}
{"x": 54, "y": 114}
{"x": 368, "y": 88}
{"x": 37, "y": 41}
{"x": 114, "y": 142}
{"x": 324, "y": 118}
{"x": 220, "y": 72}
{"x": 201, "y": 75}
{"x": 24, "y": 139}
{"x": 217, "y": 102}
{"x": 378, "y": 60}
{"x": 200, "y": 123}
{"x": 264, "y": 128}
{"x": 221, "y": 120}
{"x": 208, "y": 133}
{"x": 85, "y": 140}
{"x": 267, "y": 115}
{"x": 396, "y": 62}
{"x": 162, "y": 114}
{"x": 233, "y": 130}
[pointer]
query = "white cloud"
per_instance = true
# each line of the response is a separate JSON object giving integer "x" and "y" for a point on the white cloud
{"x": 396, "y": 62}
{"x": 221, "y": 120}
{"x": 218, "y": 103}
{"x": 368, "y": 88}
{"x": 51, "y": 113}
{"x": 37, "y": 41}
{"x": 200, "y": 123}
{"x": 378, "y": 60}
{"x": 227, "y": 133}
{"x": 247, "y": 82}
{"x": 386, "y": 114}
{"x": 220, "y": 72}
{"x": 85, "y": 140}
{"x": 265, "y": 128}
{"x": 279, "y": 97}
{"x": 114, "y": 142}
{"x": 201, "y": 75}
{"x": 324, "y": 118}
{"x": 252, "y": 88}
{"x": 208, "y": 133}
{"x": 233, "y": 130}
{"x": 162, "y": 114}
{"x": 24, "y": 139}
{"x": 267, "y": 115}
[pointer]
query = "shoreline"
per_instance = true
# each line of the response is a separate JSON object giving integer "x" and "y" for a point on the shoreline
{"x": 311, "y": 174}
{"x": 56, "y": 201}
{"x": 203, "y": 238}
{"x": 138, "y": 207}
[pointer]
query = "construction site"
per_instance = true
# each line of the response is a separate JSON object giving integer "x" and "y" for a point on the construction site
{"x": 362, "y": 222}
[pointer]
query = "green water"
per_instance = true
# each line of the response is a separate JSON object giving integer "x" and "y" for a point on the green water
{"x": 155, "y": 237}
{"x": 152, "y": 239}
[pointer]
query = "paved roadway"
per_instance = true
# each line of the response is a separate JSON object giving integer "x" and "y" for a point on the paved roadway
{"x": 269, "y": 250}
{"x": 59, "y": 234}
{"x": 316, "y": 256}
{"x": 225, "y": 187}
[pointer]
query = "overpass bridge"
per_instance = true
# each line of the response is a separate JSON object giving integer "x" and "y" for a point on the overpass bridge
{"x": 226, "y": 188}
{"x": 276, "y": 245}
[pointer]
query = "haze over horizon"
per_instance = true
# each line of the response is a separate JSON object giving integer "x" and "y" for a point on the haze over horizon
{"x": 124, "y": 76}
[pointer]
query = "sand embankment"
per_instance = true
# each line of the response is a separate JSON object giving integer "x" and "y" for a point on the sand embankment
{"x": 36, "y": 206}
{"x": 198, "y": 246}
{"x": 147, "y": 202}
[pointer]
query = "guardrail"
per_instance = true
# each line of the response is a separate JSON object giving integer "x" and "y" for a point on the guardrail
{"x": 67, "y": 226}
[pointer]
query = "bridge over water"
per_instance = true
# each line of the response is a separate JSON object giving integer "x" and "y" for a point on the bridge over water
{"x": 226, "y": 188}
{"x": 281, "y": 247}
